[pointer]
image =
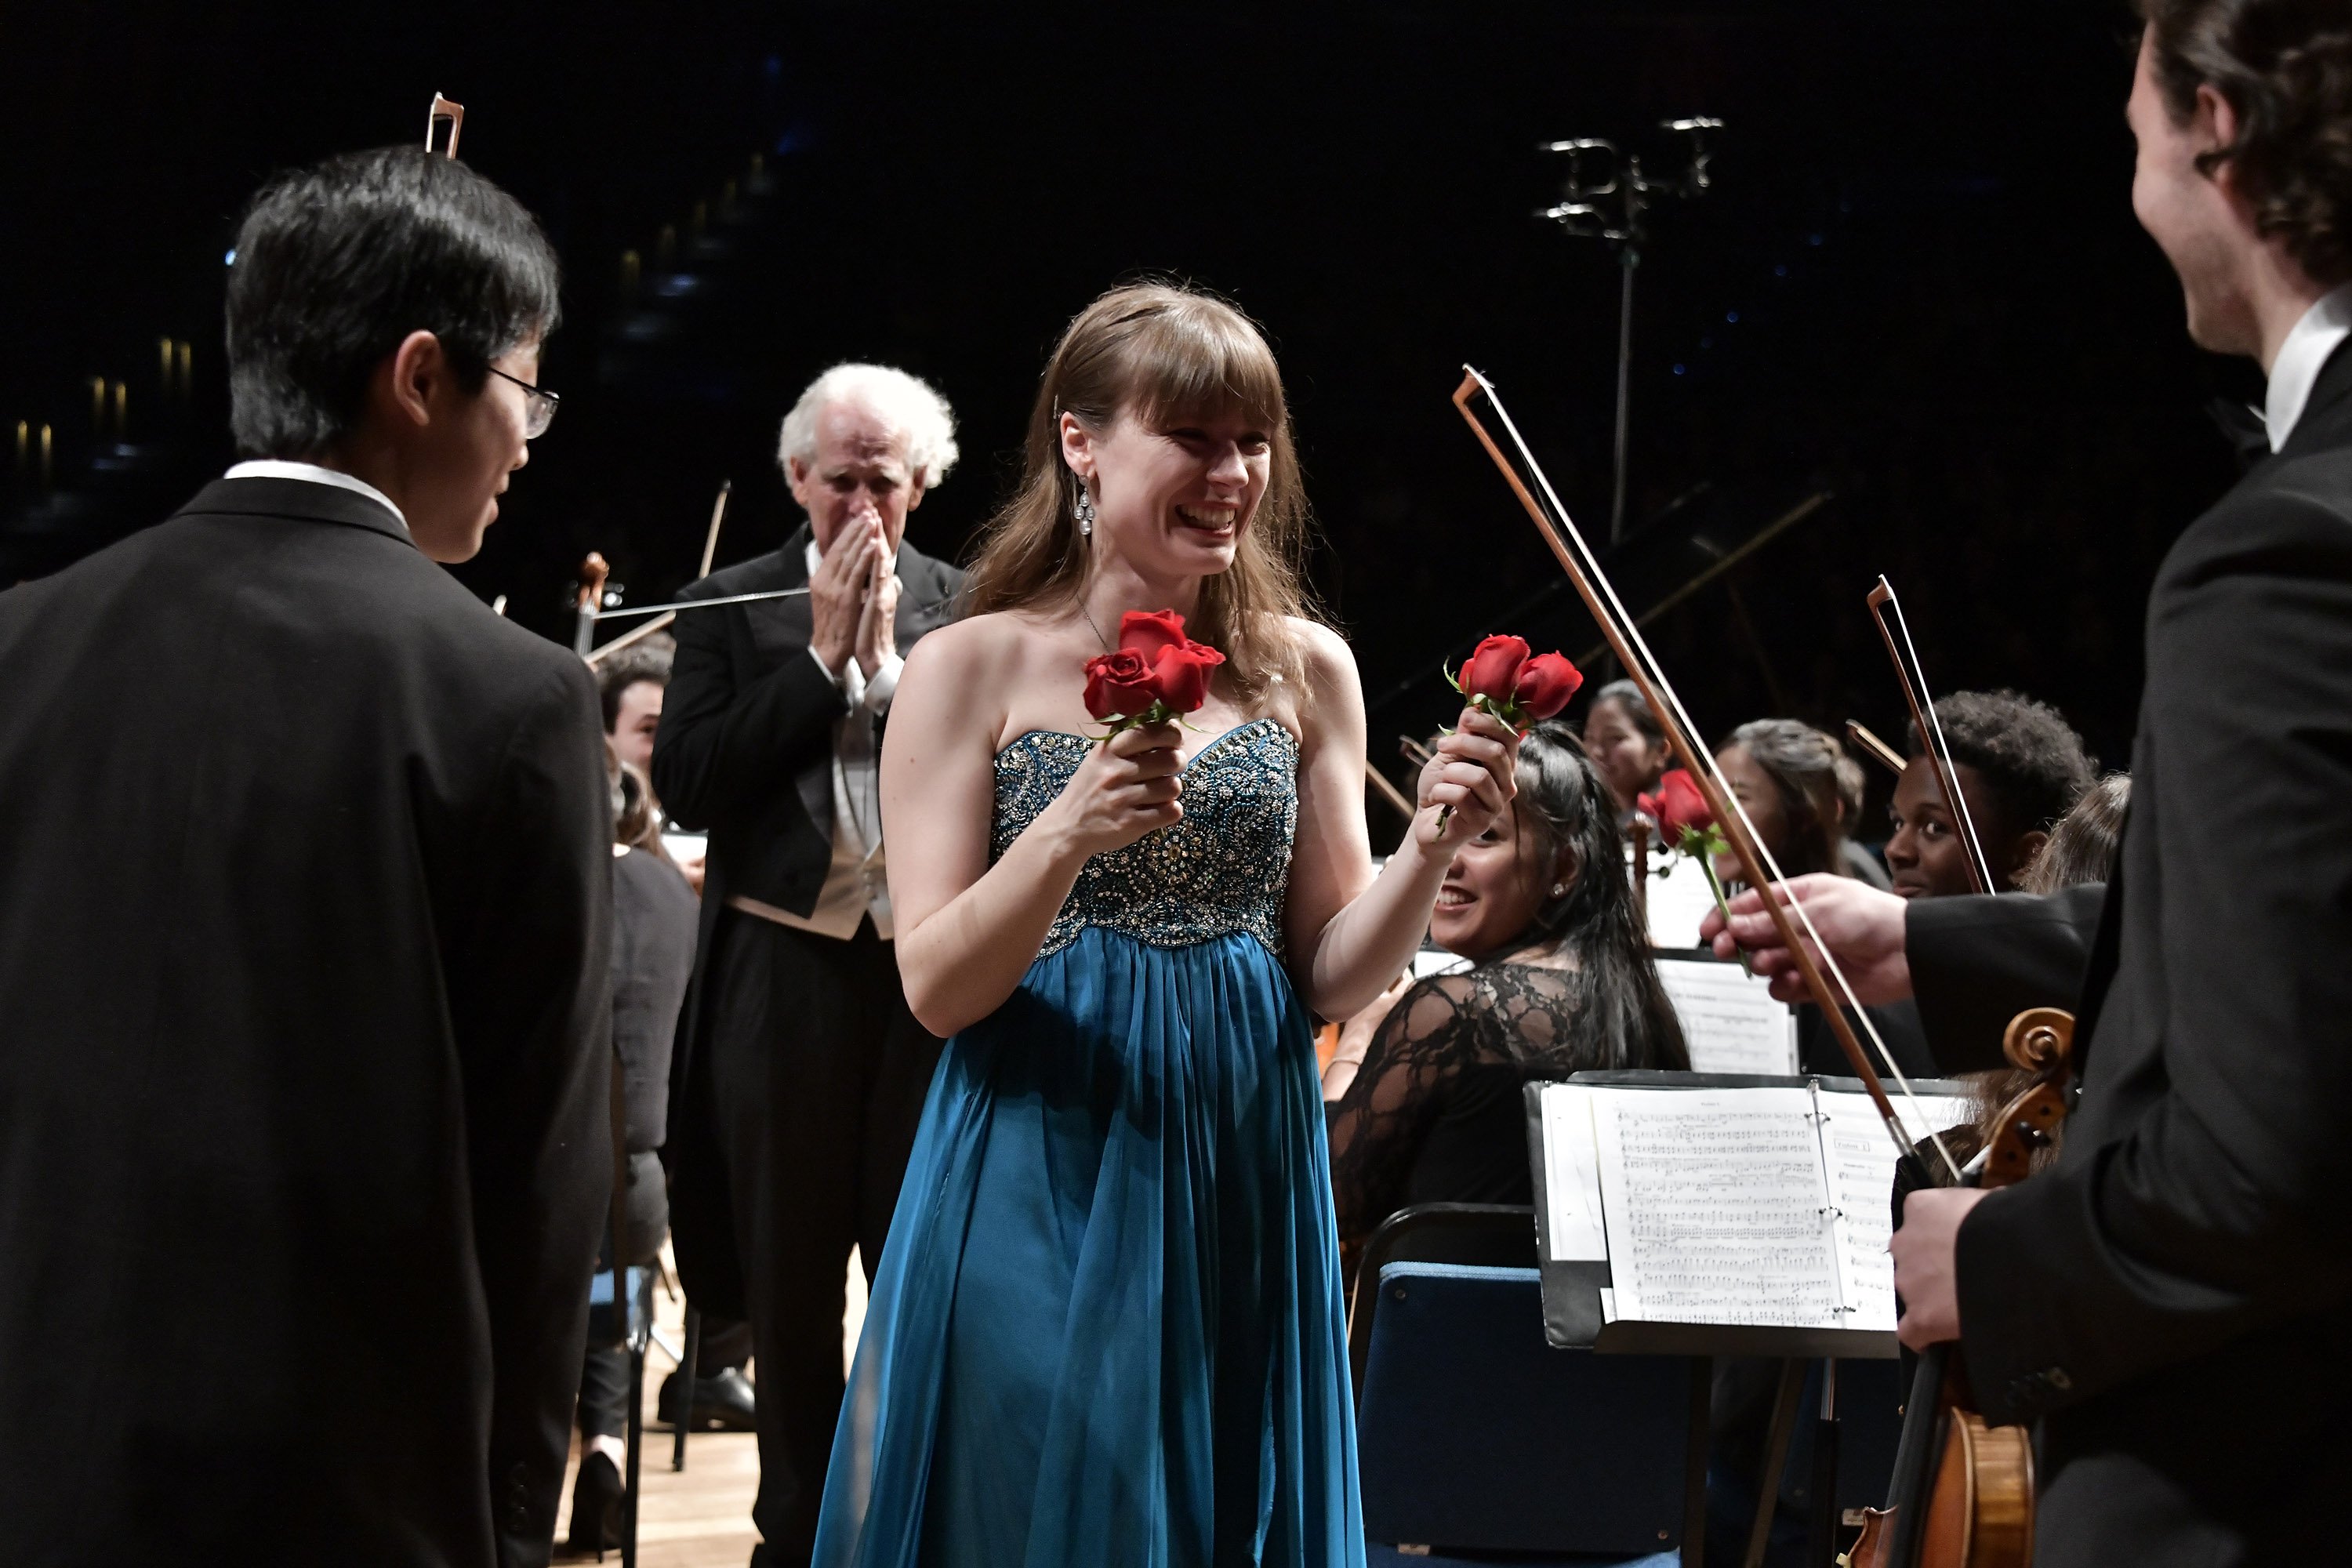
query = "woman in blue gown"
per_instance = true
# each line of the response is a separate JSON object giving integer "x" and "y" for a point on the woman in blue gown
{"x": 1108, "y": 1328}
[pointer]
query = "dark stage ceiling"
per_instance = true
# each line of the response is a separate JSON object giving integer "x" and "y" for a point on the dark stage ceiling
{"x": 1917, "y": 286}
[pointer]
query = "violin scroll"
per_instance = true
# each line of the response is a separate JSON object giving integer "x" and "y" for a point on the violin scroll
{"x": 2039, "y": 1040}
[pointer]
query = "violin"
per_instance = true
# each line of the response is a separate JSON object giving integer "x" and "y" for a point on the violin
{"x": 1962, "y": 1492}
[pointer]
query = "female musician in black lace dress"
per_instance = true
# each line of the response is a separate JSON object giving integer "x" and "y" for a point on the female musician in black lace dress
{"x": 1561, "y": 982}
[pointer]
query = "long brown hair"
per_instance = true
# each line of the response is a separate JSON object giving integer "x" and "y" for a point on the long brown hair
{"x": 1159, "y": 351}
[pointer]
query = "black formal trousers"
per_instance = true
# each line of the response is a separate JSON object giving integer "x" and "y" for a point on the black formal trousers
{"x": 817, "y": 1073}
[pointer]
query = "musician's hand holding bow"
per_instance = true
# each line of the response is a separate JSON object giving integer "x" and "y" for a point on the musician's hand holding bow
{"x": 1862, "y": 926}
{"x": 1926, "y": 1274}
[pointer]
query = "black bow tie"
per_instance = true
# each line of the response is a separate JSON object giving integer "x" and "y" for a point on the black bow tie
{"x": 2243, "y": 429}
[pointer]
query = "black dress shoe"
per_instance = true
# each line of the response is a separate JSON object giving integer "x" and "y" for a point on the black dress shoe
{"x": 725, "y": 1402}
{"x": 595, "y": 1509}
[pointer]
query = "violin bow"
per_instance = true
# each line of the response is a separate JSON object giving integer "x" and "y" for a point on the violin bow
{"x": 1931, "y": 728}
{"x": 1756, "y": 862}
{"x": 444, "y": 113}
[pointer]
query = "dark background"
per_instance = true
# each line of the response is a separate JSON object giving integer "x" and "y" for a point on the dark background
{"x": 1944, "y": 314}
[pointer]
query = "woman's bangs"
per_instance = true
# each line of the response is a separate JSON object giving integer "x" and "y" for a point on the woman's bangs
{"x": 1189, "y": 369}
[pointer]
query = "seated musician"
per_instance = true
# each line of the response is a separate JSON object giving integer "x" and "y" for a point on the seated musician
{"x": 2019, "y": 767}
{"x": 1626, "y": 742}
{"x": 1786, "y": 775}
{"x": 654, "y": 916}
{"x": 1787, "y": 779}
{"x": 2081, "y": 849}
{"x": 1561, "y": 982}
{"x": 2166, "y": 1301}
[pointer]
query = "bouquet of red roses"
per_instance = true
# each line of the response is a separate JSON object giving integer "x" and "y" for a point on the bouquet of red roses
{"x": 1502, "y": 680}
{"x": 1687, "y": 826}
{"x": 1155, "y": 674}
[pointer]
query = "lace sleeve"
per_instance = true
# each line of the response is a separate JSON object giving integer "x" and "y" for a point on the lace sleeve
{"x": 1376, "y": 1127}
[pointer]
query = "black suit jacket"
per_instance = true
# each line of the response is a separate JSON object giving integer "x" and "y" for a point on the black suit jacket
{"x": 2172, "y": 1300}
{"x": 745, "y": 751}
{"x": 305, "y": 896}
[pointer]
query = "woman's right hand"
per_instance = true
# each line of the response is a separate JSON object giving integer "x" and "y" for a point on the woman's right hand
{"x": 1127, "y": 787}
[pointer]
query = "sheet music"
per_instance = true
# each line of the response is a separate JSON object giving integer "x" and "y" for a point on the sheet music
{"x": 1715, "y": 1206}
{"x": 1729, "y": 1020}
{"x": 1859, "y": 1159}
{"x": 1573, "y": 1232}
{"x": 1676, "y": 898}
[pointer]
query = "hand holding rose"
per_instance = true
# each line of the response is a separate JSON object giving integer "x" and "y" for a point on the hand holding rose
{"x": 1508, "y": 690}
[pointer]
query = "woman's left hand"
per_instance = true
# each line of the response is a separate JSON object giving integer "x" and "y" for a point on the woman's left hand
{"x": 1476, "y": 772}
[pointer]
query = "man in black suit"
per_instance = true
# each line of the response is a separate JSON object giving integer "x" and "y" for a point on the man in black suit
{"x": 2168, "y": 1301}
{"x": 802, "y": 1072}
{"x": 304, "y": 1130}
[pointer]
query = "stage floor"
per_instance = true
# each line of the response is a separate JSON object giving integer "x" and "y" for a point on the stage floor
{"x": 700, "y": 1518}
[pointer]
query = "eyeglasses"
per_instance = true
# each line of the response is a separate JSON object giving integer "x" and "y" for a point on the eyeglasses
{"x": 541, "y": 404}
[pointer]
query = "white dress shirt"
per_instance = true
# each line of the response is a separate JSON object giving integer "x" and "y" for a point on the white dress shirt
{"x": 856, "y": 882}
{"x": 279, "y": 469}
{"x": 2296, "y": 369}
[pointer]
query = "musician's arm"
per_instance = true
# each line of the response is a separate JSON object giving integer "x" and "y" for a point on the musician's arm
{"x": 2222, "y": 1210}
{"x": 1977, "y": 962}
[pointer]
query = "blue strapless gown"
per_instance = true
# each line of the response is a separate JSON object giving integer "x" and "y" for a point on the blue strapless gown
{"x": 1106, "y": 1331}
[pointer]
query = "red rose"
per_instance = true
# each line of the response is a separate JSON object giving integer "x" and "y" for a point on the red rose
{"x": 1148, "y": 632}
{"x": 1119, "y": 684}
{"x": 1545, "y": 684}
{"x": 1184, "y": 672}
{"x": 1677, "y": 807}
{"x": 1493, "y": 667}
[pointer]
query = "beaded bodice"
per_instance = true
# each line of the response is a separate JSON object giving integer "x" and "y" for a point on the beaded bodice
{"x": 1219, "y": 870}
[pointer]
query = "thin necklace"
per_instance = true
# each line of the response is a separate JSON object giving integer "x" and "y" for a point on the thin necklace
{"x": 1094, "y": 628}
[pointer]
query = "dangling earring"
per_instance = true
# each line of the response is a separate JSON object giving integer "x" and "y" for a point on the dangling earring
{"x": 1084, "y": 510}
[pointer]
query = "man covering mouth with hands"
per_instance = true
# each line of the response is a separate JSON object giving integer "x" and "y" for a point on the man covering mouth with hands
{"x": 800, "y": 1072}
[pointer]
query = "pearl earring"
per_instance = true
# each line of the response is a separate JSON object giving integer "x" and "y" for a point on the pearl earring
{"x": 1084, "y": 510}
{"x": 1559, "y": 890}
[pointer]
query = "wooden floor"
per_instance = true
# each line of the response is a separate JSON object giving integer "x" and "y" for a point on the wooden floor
{"x": 700, "y": 1518}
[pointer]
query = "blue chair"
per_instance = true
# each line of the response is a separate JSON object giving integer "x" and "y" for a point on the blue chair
{"x": 1478, "y": 1442}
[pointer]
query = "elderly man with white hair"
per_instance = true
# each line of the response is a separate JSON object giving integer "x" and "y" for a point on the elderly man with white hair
{"x": 800, "y": 1072}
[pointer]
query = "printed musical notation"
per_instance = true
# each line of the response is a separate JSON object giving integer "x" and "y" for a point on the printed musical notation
{"x": 1715, "y": 1207}
{"x": 1731, "y": 1022}
{"x": 1858, "y": 1160}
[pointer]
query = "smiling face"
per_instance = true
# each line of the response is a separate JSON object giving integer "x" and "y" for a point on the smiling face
{"x": 1172, "y": 496}
{"x": 2202, "y": 224}
{"x": 464, "y": 451}
{"x": 858, "y": 470}
{"x": 1494, "y": 884}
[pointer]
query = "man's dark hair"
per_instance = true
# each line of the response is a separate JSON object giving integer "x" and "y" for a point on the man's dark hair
{"x": 649, "y": 661}
{"x": 2286, "y": 67}
{"x": 2035, "y": 763}
{"x": 335, "y": 264}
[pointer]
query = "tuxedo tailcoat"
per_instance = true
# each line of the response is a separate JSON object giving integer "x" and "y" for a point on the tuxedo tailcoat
{"x": 305, "y": 1144}
{"x": 2171, "y": 1301}
{"x": 800, "y": 1073}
